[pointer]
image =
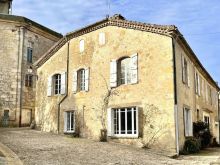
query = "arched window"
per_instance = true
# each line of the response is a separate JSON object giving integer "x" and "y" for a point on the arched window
{"x": 124, "y": 71}
{"x": 81, "y": 79}
{"x": 57, "y": 83}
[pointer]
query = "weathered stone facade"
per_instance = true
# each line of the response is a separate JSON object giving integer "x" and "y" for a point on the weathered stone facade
{"x": 16, "y": 34}
{"x": 159, "y": 84}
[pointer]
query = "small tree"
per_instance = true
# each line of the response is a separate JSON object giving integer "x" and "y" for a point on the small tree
{"x": 104, "y": 103}
{"x": 153, "y": 125}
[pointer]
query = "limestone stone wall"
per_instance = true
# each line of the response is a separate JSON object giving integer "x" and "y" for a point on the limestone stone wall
{"x": 14, "y": 40}
{"x": 198, "y": 104}
{"x": 154, "y": 88}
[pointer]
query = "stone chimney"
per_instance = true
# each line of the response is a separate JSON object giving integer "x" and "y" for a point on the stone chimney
{"x": 5, "y": 6}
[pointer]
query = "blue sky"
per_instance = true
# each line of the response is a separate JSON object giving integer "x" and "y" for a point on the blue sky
{"x": 198, "y": 20}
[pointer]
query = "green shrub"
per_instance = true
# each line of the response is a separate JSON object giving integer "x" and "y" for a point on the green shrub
{"x": 191, "y": 145}
{"x": 201, "y": 131}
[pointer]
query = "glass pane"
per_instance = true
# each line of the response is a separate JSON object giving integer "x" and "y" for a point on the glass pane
{"x": 129, "y": 121}
{"x": 68, "y": 121}
{"x": 135, "y": 121}
{"x": 72, "y": 121}
{"x": 123, "y": 121}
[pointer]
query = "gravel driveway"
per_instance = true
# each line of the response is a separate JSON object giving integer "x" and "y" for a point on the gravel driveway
{"x": 40, "y": 148}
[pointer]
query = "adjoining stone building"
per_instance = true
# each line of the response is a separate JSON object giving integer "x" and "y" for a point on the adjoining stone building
{"x": 22, "y": 42}
{"x": 158, "y": 87}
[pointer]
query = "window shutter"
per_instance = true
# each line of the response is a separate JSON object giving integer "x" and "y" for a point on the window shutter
{"x": 185, "y": 121}
{"x": 65, "y": 121}
{"x": 199, "y": 87}
{"x": 137, "y": 120}
{"x": 74, "y": 81}
{"x": 190, "y": 123}
{"x": 87, "y": 79}
{"x": 63, "y": 83}
{"x": 49, "y": 86}
{"x": 196, "y": 88}
{"x": 183, "y": 69}
{"x": 113, "y": 73}
{"x": 188, "y": 74}
{"x": 134, "y": 68}
{"x": 110, "y": 122}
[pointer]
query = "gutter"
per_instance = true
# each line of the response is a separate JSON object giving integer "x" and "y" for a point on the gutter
{"x": 67, "y": 84}
{"x": 175, "y": 98}
{"x": 21, "y": 50}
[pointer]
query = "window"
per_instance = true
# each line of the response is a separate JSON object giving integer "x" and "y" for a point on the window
{"x": 57, "y": 83}
{"x": 101, "y": 38}
{"x": 69, "y": 124}
{"x": 206, "y": 118}
{"x": 125, "y": 122}
{"x": 185, "y": 71}
{"x": 124, "y": 71}
{"x": 81, "y": 79}
{"x": 29, "y": 54}
{"x": 209, "y": 94}
{"x": 197, "y": 114}
{"x": 197, "y": 84}
{"x": 81, "y": 46}
{"x": 29, "y": 80}
{"x": 187, "y": 122}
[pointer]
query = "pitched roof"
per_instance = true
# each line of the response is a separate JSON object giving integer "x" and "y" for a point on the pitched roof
{"x": 119, "y": 21}
{"x": 27, "y": 21}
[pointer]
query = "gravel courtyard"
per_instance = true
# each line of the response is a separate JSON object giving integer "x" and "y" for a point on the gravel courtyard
{"x": 40, "y": 148}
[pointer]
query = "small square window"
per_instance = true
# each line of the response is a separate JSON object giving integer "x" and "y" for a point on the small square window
{"x": 29, "y": 80}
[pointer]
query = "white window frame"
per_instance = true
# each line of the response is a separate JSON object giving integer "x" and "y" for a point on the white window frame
{"x": 58, "y": 85}
{"x": 66, "y": 115}
{"x": 82, "y": 80}
{"x": 127, "y": 72}
{"x": 134, "y": 135}
{"x": 81, "y": 45}
{"x": 188, "y": 126}
{"x": 205, "y": 114}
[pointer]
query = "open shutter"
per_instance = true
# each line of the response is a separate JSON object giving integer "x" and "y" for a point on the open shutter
{"x": 183, "y": 69}
{"x": 49, "y": 86}
{"x": 74, "y": 81}
{"x": 185, "y": 122}
{"x": 134, "y": 68}
{"x": 110, "y": 122}
{"x": 113, "y": 73}
{"x": 63, "y": 83}
{"x": 87, "y": 79}
{"x": 188, "y": 74}
{"x": 199, "y": 87}
{"x": 65, "y": 121}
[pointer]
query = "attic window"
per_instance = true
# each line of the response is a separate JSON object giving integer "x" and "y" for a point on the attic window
{"x": 81, "y": 46}
{"x": 101, "y": 38}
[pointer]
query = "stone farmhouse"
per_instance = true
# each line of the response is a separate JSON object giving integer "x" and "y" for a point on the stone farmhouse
{"x": 22, "y": 42}
{"x": 146, "y": 75}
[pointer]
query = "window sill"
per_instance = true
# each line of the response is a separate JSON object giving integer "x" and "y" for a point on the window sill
{"x": 124, "y": 136}
{"x": 69, "y": 132}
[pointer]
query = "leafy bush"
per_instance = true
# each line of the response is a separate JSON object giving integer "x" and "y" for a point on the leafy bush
{"x": 191, "y": 145}
{"x": 201, "y": 131}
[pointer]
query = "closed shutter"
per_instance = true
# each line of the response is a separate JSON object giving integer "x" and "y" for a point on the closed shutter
{"x": 74, "y": 81}
{"x": 86, "y": 79}
{"x": 134, "y": 68}
{"x": 113, "y": 73}
{"x": 110, "y": 122}
{"x": 63, "y": 83}
{"x": 49, "y": 86}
